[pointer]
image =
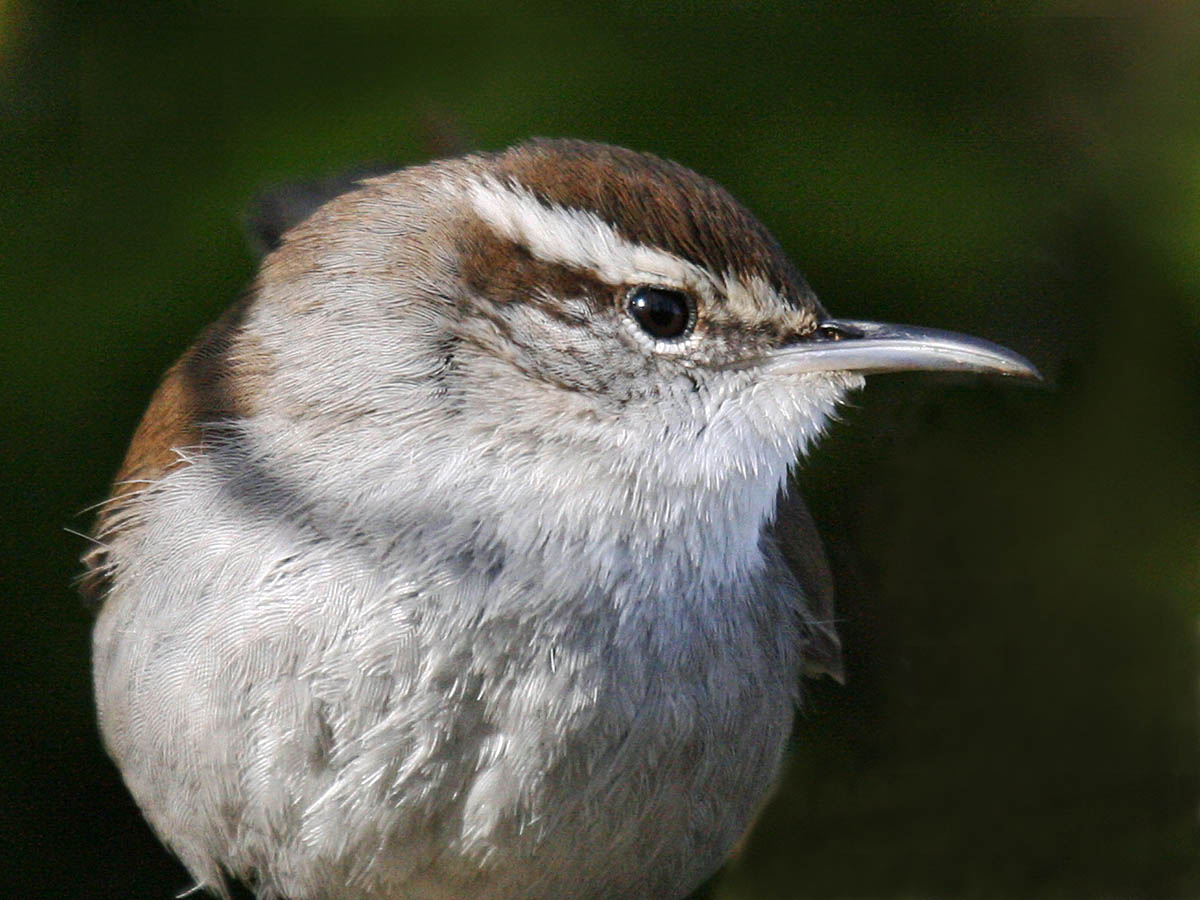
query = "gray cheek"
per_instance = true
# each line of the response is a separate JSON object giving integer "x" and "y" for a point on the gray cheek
{"x": 592, "y": 354}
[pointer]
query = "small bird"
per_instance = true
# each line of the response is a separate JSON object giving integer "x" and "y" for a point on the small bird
{"x": 445, "y": 564}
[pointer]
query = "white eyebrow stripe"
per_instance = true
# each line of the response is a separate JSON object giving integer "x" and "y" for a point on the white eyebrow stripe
{"x": 748, "y": 294}
{"x": 576, "y": 237}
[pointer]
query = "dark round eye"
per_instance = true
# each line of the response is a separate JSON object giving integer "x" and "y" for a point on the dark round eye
{"x": 663, "y": 314}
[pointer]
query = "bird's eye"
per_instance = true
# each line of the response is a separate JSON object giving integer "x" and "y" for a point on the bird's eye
{"x": 664, "y": 314}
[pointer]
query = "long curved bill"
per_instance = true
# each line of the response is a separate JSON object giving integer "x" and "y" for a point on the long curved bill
{"x": 848, "y": 345}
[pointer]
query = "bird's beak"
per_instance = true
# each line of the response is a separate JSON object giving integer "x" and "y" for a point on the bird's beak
{"x": 848, "y": 345}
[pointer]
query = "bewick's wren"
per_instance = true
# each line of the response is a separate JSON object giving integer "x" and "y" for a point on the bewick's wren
{"x": 441, "y": 566}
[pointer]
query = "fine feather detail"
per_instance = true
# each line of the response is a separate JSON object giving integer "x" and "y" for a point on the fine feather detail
{"x": 421, "y": 590}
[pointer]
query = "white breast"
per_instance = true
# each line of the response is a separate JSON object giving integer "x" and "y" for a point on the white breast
{"x": 355, "y": 719}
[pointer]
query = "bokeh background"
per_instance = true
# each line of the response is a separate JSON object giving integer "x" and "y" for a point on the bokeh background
{"x": 1018, "y": 569}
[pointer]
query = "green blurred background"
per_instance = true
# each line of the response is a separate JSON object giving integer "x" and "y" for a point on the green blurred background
{"x": 1018, "y": 569}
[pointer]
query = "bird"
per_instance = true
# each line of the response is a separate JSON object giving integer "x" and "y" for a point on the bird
{"x": 457, "y": 559}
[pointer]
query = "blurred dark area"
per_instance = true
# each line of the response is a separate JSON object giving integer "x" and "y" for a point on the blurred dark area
{"x": 1018, "y": 569}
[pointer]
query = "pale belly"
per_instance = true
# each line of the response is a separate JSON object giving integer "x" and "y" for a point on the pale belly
{"x": 339, "y": 733}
